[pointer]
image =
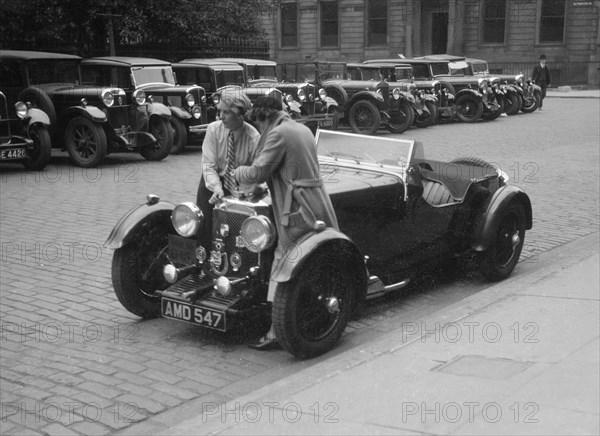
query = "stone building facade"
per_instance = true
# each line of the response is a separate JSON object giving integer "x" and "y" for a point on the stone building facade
{"x": 509, "y": 34}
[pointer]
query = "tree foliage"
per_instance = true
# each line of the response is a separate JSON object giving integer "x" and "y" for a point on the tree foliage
{"x": 83, "y": 23}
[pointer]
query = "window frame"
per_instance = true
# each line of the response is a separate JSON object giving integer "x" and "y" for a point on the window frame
{"x": 368, "y": 19}
{"x": 539, "y": 24}
{"x": 484, "y": 19}
{"x": 282, "y": 43}
{"x": 322, "y": 27}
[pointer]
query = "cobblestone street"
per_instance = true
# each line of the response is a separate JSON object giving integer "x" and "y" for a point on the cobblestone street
{"x": 74, "y": 361}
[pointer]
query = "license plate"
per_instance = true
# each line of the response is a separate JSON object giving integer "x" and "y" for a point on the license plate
{"x": 182, "y": 250}
{"x": 325, "y": 123}
{"x": 198, "y": 315}
{"x": 15, "y": 153}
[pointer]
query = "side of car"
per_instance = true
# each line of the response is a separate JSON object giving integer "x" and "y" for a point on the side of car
{"x": 394, "y": 217}
{"x": 24, "y": 136}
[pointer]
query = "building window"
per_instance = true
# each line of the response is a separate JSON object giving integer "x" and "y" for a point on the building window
{"x": 377, "y": 25}
{"x": 289, "y": 24}
{"x": 494, "y": 21}
{"x": 329, "y": 24}
{"x": 552, "y": 21}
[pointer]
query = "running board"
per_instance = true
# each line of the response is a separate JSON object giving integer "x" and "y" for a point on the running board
{"x": 376, "y": 288}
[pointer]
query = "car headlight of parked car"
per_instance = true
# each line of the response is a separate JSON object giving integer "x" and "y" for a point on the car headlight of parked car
{"x": 395, "y": 93}
{"x": 187, "y": 218}
{"x": 322, "y": 94}
{"x": 301, "y": 95}
{"x": 139, "y": 96}
{"x": 21, "y": 109}
{"x": 258, "y": 233}
{"x": 108, "y": 97}
{"x": 483, "y": 83}
{"x": 190, "y": 100}
{"x": 196, "y": 112}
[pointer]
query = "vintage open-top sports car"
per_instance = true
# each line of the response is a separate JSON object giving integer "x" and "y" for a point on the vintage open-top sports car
{"x": 394, "y": 217}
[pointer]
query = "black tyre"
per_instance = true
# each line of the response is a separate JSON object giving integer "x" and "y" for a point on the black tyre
{"x": 85, "y": 142}
{"x": 449, "y": 88}
{"x": 39, "y": 155}
{"x": 180, "y": 135}
{"x": 162, "y": 131}
{"x": 402, "y": 118}
{"x": 512, "y": 104}
{"x": 532, "y": 103}
{"x": 468, "y": 108}
{"x": 40, "y": 100}
{"x": 364, "y": 117}
{"x": 137, "y": 273}
{"x": 428, "y": 118}
{"x": 311, "y": 312}
{"x": 501, "y": 257}
{"x": 492, "y": 115}
{"x": 338, "y": 93}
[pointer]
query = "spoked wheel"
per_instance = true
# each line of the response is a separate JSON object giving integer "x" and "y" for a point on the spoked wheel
{"x": 39, "y": 155}
{"x": 137, "y": 273}
{"x": 531, "y": 103}
{"x": 468, "y": 108}
{"x": 162, "y": 131}
{"x": 501, "y": 257}
{"x": 402, "y": 118}
{"x": 429, "y": 117}
{"x": 86, "y": 142}
{"x": 512, "y": 104}
{"x": 364, "y": 117}
{"x": 493, "y": 114}
{"x": 311, "y": 312}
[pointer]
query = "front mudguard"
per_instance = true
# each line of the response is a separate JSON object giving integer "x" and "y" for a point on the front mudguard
{"x": 473, "y": 92}
{"x": 35, "y": 115}
{"x": 373, "y": 97}
{"x": 486, "y": 230}
{"x": 136, "y": 220}
{"x": 90, "y": 112}
{"x": 170, "y": 112}
{"x": 294, "y": 256}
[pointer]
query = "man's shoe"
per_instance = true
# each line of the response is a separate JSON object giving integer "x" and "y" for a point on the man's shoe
{"x": 265, "y": 344}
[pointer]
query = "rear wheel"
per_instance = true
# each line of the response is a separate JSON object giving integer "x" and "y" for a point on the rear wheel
{"x": 512, "y": 104}
{"x": 39, "y": 155}
{"x": 364, "y": 118}
{"x": 161, "y": 129}
{"x": 501, "y": 257}
{"x": 468, "y": 108}
{"x": 429, "y": 117}
{"x": 530, "y": 104}
{"x": 402, "y": 118}
{"x": 311, "y": 312}
{"x": 179, "y": 135}
{"x": 85, "y": 142}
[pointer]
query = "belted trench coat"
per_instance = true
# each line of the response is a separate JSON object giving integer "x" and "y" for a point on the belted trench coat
{"x": 289, "y": 164}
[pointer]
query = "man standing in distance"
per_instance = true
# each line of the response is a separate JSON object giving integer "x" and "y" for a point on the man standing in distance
{"x": 541, "y": 77}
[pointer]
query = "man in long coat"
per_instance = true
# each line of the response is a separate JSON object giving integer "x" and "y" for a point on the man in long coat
{"x": 541, "y": 77}
{"x": 288, "y": 163}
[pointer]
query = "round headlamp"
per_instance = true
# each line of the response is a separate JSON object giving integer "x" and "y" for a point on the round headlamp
{"x": 519, "y": 78}
{"x": 322, "y": 94}
{"x": 187, "y": 219}
{"x": 216, "y": 98}
{"x": 301, "y": 95}
{"x": 396, "y": 93}
{"x": 483, "y": 83}
{"x": 258, "y": 233}
{"x": 107, "y": 97}
{"x": 196, "y": 112}
{"x": 139, "y": 96}
{"x": 21, "y": 109}
{"x": 190, "y": 100}
{"x": 289, "y": 98}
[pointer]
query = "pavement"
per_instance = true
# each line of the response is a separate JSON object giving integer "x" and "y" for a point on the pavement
{"x": 569, "y": 92}
{"x": 521, "y": 357}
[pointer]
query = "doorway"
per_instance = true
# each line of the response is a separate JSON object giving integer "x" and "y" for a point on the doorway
{"x": 439, "y": 32}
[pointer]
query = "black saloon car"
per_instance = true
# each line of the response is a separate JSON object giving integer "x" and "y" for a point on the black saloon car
{"x": 90, "y": 121}
{"x": 394, "y": 217}
{"x": 153, "y": 79}
{"x": 24, "y": 134}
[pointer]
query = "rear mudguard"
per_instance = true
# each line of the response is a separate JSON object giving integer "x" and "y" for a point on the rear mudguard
{"x": 133, "y": 222}
{"x": 485, "y": 234}
{"x": 295, "y": 255}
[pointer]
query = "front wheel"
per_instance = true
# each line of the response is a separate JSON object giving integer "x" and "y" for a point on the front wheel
{"x": 468, "y": 108}
{"x": 161, "y": 129}
{"x": 364, "y": 118}
{"x": 39, "y": 155}
{"x": 311, "y": 312}
{"x": 86, "y": 142}
{"x": 428, "y": 117}
{"x": 402, "y": 118}
{"x": 179, "y": 135}
{"x": 530, "y": 104}
{"x": 501, "y": 257}
{"x": 137, "y": 273}
{"x": 490, "y": 115}
{"x": 512, "y": 104}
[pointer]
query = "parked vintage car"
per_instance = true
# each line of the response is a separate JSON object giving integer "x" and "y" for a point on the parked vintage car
{"x": 394, "y": 218}
{"x": 154, "y": 79}
{"x": 89, "y": 121}
{"x": 24, "y": 136}
{"x": 256, "y": 71}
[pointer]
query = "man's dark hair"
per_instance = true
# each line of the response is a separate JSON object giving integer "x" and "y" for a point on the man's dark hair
{"x": 265, "y": 108}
